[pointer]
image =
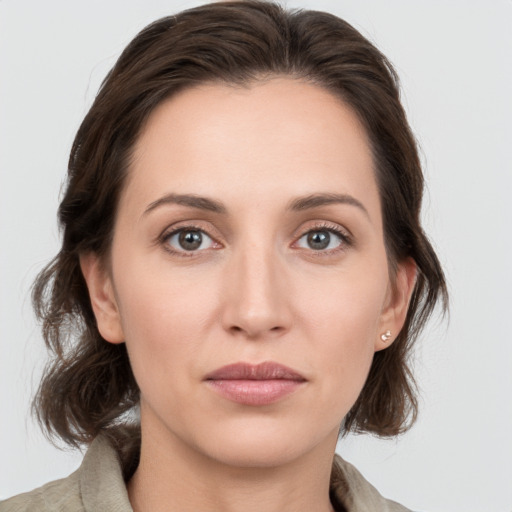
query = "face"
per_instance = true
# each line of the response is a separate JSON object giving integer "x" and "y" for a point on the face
{"x": 249, "y": 231}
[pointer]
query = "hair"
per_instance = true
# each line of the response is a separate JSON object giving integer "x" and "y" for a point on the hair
{"x": 88, "y": 386}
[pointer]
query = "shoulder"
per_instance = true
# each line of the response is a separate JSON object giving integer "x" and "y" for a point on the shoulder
{"x": 60, "y": 495}
{"x": 98, "y": 484}
{"x": 356, "y": 493}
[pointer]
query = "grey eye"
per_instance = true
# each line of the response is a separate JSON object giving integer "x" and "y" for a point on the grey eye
{"x": 190, "y": 240}
{"x": 319, "y": 240}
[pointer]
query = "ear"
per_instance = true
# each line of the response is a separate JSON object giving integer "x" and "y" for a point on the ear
{"x": 103, "y": 301}
{"x": 397, "y": 304}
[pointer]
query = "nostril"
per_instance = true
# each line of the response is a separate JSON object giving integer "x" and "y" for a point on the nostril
{"x": 256, "y": 332}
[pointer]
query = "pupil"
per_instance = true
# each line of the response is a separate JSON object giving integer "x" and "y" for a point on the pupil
{"x": 319, "y": 239}
{"x": 190, "y": 240}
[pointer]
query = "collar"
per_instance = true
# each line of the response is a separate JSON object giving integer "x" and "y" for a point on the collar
{"x": 102, "y": 486}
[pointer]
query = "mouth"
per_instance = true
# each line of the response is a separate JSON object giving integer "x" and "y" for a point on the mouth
{"x": 260, "y": 384}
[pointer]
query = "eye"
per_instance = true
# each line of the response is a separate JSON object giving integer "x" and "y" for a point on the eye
{"x": 189, "y": 240}
{"x": 321, "y": 240}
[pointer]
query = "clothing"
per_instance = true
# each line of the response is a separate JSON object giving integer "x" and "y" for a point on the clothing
{"x": 98, "y": 486}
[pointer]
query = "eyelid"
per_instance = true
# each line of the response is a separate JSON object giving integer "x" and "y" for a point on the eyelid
{"x": 180, "y": 226}
{"x": 343, "y": 233}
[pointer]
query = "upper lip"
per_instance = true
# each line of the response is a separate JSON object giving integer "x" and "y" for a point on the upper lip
{"x": 267, "y": 370}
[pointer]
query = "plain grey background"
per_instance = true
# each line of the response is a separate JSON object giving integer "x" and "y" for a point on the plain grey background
{"x": 455, "y": 61}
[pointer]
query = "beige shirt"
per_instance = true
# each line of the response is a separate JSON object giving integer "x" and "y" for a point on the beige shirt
{"x": 98, "y": 486}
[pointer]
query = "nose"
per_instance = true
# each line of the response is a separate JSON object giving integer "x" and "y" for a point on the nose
{"x": 256, "y": 302}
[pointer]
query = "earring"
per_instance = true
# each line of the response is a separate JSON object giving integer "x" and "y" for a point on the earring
{"x": 385, "y": 336}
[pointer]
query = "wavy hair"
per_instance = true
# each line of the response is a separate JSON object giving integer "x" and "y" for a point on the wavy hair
{"x": 88, "y": 386}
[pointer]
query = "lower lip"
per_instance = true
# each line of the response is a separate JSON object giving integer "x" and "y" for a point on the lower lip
{"x": 255, "y": 392}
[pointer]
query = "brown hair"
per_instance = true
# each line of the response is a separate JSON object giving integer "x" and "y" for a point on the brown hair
{"x": 88, "y": 386}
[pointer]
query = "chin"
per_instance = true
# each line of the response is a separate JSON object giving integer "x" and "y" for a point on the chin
{"x": 254, "y": 454}
{"x": 265, "y": 445}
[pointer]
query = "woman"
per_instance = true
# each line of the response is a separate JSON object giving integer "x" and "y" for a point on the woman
{"x": 243, "y": 269}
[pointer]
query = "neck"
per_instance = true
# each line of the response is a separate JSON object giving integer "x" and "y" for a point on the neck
{"x": 175, "y": 477}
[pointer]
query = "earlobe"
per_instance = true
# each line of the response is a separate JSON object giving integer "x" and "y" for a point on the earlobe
{"x": 103, "y": 301}
{"x": 394, "y": 315}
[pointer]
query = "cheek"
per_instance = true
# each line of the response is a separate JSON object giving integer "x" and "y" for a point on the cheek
{"x": 341, "y": 317}
{"x": 347, "y": 304}
{"x": 162, "y": 320}
{"x": 157, "y": 301}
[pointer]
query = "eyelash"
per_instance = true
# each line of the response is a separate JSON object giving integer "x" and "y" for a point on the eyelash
{"x": 167, "y": 235}
{"x": 344, "y": 236}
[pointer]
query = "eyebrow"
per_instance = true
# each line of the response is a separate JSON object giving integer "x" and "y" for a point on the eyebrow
{"x": 318, "y": 200}
{"x": 299, "y": 204}
{"x": 190, "y": 200}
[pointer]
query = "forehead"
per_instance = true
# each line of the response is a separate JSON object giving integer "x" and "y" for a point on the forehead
{"x": 282, "y": 135}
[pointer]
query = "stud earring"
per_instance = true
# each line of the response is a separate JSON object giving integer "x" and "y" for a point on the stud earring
{"x": 385, "y": 336}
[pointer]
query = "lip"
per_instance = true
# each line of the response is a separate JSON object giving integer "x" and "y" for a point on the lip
{"x": 260, "y": 384}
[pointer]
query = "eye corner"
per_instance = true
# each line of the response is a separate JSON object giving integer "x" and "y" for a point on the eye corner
{"x": 174, "y": 241}
{"x": 331, "y": 240}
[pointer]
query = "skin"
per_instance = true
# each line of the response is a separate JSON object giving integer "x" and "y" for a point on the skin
{"x": 254, "y": 291}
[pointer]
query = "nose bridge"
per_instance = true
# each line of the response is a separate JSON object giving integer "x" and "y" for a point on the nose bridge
{"x": 256, "y": 299}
